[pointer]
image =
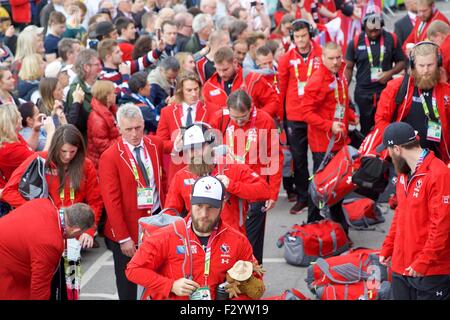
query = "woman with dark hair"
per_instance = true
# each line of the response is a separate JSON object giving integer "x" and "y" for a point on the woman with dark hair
{"x": 33, "y": 129}
{"x": 143, "y": 45}
{"x": 50, "y": 102}
{"x": 71, "y": 177}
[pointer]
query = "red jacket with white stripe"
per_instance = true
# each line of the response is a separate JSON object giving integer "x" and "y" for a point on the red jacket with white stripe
{"x": 289, "y": 82}
{"x": 263, "y": 95}
{"x": 158, "y": 262}
{"x": 386, "y": 108}
{"x": 244, "y": 185}
{"x": 319, "y": 106}
{"x": 119, "y": 188}
{"x": 265, "y": 156}
{"x": 419, "y": 233}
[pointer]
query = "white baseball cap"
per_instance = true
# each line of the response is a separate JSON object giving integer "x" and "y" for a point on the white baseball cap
{"x": 208, "y": 190}
{"x": 193, "y": 136}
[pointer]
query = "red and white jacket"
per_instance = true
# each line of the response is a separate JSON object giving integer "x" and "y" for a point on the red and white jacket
{"x": 419, "y": 233}
{"x": 263, "y": 95}
{"x": 159, "y": 261}
{"x": 245, "y": 185}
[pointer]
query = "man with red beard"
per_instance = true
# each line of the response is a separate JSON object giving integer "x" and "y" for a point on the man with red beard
{"x": 252, "y": 138}
{"x": 426, "y": 14}
{"x": 187, "y": 260}
{"x": 418, "y": 246}
{"x": 426, "y": 106}
{"x": 242, "y": 184}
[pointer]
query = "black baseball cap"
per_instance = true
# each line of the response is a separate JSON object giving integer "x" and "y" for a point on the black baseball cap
{"x": 396, "y": 134}
{"x": 102, "y": 29}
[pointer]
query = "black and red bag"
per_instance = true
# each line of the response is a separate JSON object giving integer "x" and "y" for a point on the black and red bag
{"x": 306, "y": 243}
{"x": 353, "y": 266}
{"x": 362, "y": 213}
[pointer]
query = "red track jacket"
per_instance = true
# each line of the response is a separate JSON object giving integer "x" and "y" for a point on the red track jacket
{"x": 31, "y": 246}
{"x": 159, "y": 260}
{"x": 264, "y": 96}
{"x": 445, "y": 51}
{"x": 88, "y": 193}
{"x": 419, "y": 234}
{"x": 288, "y": 79}
{"x": 386, "y": 107}
{"x": 264, "y": 158}
{"x": 119, "y": 188}
{"x": 319, "y": 105}
{"x": 11, "y": 156}
{"x": 169, "y": 126}
{"x": 244, "y": 185}
{"x": 413, "y": 38}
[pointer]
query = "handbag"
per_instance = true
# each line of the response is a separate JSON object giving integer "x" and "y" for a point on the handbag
{"x": 33, "y": 184}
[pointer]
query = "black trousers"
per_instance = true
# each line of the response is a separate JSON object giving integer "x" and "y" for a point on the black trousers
{"x": 336, "y": 213}
{"x": 58, "y": 288}
{"x": 297, "y": 134}
{"x": 420, "y": 288}
{"x": 126, "y": 289}
{"x": 367, "y": 102}
{"x": 255, "y": 227}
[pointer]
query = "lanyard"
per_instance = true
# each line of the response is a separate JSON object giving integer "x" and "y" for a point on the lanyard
{"x": 369, "y": 51}
{"x": 144, "y": 100}
{"x": 135, "y": 169}
{"x": 425, "y": 106}
{"x": 251, "y": 131}
{"x": 72, "y": 196}
{"x": 336, "y": 92}
{"x": 421, "y": 27}
{"x": 310, "y": 67}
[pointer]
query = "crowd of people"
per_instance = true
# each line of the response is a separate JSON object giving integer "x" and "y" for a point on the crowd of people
{"x": 210, "y": 107}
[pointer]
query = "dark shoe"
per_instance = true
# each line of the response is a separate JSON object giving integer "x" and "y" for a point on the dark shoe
{"x": 96, "y": 244}
{"x": 298, "y": 207}
{"x": 292, "y": 197}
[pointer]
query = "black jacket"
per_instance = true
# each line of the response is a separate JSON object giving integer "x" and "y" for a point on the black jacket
{"x": 402, "y": 28}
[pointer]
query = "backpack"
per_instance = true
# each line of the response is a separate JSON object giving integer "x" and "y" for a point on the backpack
{"x": 362, "y": 213}
{"x": 147, "y": 226}
{"x": 33, "y": 184}
{"x": 353, "y": 266}
{"x": 306, "y": 243}
{"x": 356, "y": 291}
{"x": 290, "y": 294}
{"x": 333, "y": 180}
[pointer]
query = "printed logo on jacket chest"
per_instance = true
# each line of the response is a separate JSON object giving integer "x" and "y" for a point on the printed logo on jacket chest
{"x": 417, "y": 188}
{"x": 225, "y": 253}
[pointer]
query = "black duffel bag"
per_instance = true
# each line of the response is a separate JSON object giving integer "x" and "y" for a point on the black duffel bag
{"x": 371, "y": 177}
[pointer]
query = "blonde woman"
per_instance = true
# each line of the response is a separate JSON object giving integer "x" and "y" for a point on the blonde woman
{"x": 7, "y": 86}
{"x": 187, "y": 63}
{"x": 13, "y": 148}
{"x": 32, "y": 70}
{"x": 29, "y": 41}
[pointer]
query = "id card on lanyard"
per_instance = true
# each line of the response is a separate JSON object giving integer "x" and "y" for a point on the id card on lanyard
{"x": 301, "y": 84}
{"x": 252, "y": 136}
{"x": 434, "y": 128}
{"x": 204, "y": 292}
{"x": 144, "y": 193}
{"x": 340, "y": 106}
{"x": 375, "y": 71}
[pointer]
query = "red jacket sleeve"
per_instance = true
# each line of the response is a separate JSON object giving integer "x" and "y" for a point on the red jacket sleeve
{"x": 112, "y": 196}
{"x": 439, "y": 224}
{"x": 273, "y": 168}
{"x": 44, "y": 260}
{"x": 265, "y": 97}
{"x": 163, "y": 130}
{"x": 248, "y": 184}
{"x": 174, "y": 197}
{"x": 388, "y": 244}
{"x": 142, "y": 269}
{"x": 283, "y": 77}
{"x": 386, "y": 104}
{"x": 93, "y": 194}
{"x": 11, "y": 193}
{"x": 98, "y": 133}
{"x": 312, "y": 99}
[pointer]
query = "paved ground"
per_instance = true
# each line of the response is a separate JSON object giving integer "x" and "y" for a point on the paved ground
{"x": 99, "y": 281}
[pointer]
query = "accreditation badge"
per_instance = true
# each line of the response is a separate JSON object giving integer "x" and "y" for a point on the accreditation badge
{"x": 339, "y": 112}
{"x": 202, "y": 293}
{"x": 301, "y": 88}
{"x": 144, "y": 198}
{"x": 434, "y": 131}
{"x": 375, "y": 73}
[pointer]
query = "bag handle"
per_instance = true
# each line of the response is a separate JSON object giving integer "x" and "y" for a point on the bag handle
{"x": 325, "y": 268}
{"x": 327, "y": 154}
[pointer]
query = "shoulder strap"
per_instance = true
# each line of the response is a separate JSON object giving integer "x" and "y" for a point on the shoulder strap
{"x": 400, "y": 97}
{"x": 356, "y": 40}
{"x": 394, "y": 38}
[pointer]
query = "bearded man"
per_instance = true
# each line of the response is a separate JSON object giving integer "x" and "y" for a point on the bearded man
{"x": 241, "y": 183}
{"x": 417, "y": 247}
{"x": 426, "y": 103}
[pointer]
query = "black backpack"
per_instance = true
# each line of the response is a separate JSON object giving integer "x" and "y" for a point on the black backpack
{"x": 33, "y": 184}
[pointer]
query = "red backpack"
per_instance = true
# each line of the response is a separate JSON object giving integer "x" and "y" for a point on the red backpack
{"x": 306, "y": 243}
{"x": 353, "y": 266}
{"x": 290, "y": 294}
{"x": 362, "y": 213}
{"x": 357, "y": 291}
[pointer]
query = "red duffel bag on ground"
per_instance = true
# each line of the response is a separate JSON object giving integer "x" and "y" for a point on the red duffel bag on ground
{"x": 362, "y": 213}
{"x": 355, "y": 265}
{"x": 306, "y": 243}
{"x": 290, "y": 294}
{"x": 357, "y": 291}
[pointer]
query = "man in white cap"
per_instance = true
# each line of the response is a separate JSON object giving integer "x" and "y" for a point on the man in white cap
{"x": 171, "y": 269}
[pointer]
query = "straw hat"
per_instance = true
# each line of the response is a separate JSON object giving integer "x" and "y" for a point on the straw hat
{"x": 241, "y": 271}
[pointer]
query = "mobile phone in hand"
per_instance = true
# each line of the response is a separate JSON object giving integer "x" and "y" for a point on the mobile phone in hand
{"x": 158, "y": 34}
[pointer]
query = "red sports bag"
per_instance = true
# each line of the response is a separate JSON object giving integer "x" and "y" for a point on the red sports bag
{"x": 290, "y": 294}
{"x": 362, "y": 213}
{"x": 355, "y": 265}
{"x": 305, "y": 243}
{"x": 333, "y": 180}
{"x": 357, "y": 291}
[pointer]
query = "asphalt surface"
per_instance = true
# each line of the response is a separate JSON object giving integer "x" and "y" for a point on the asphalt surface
{"x": 98, "y": 281}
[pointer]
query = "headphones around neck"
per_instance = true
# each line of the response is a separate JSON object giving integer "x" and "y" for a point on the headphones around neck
{"x": 412, "y": 54}
{"x": 300, "y": 22}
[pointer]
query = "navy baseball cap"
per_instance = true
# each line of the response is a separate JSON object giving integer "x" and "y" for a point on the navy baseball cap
{"x": 208, "y": 190}
{"x": 396, "y": 134}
